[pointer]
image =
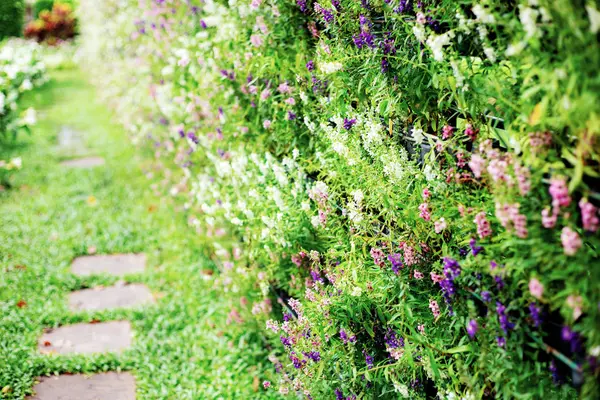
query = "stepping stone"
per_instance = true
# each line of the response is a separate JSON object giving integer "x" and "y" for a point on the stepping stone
{"x": 85, "y": 162}
{"x": 106, "y": 298}
{"x": 70, "y": 139}
{"x": 105, "y": 386}
{"x": 114, "y": 264}
{"x": 113, "y": 336}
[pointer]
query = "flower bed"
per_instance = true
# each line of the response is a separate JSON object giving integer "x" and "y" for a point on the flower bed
{"x": 404, "y": 194}
{"x": 21, "y": 69}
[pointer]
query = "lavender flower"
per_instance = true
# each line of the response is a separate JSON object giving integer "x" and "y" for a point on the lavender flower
{"x": 385, "y": 65}
{"x": 327, "y": 15}
{"x": 315, "y": 356}
{"x": 336, "y": 5}
{"x": 501, "y": 341}
{"x": 368, "y": 359}
{"x": 286, "y": 341}
{"x": 535, "y": 314}
{"x": 474, "y": 248}
{"x": 486, "y": 296}
{"x": 339, "y": 395}
{"x": 392, "y": 340}
{"x": 298, "y": 363}
{"x": 349, "y": 123}
{"x": 505, "y": 324}
{"x": 291, "y": 116}
{"x": 472, "y": 328}
{"x": 310, "y": 65}
{"x": 302, "y": 5}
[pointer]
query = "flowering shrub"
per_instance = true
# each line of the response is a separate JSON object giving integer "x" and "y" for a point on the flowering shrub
{"x": 11, "y": 18}
{"x": 403, "y": 193}
{"x": 21, "y": 69}
{"x": 53, "y": 26}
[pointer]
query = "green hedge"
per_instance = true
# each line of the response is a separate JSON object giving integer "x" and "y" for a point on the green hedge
{"x": 41, "y": 5}
{"x": 11, "y": 18}
{"x": 404, "y": 193}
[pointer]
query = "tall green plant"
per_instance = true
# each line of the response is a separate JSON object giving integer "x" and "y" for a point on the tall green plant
{"x": 11, "y": 18}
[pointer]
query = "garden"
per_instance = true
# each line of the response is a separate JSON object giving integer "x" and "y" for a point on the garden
{"x": 332, "y": 199}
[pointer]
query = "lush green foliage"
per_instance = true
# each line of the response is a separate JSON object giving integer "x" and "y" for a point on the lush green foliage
{"x": 42, "y": 5}
{"x": 181, "y": 349}
{"x": 404, "y": 193}
{"x": 11, "y": 18}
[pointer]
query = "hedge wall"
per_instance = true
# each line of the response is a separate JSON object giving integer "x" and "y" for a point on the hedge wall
{"x": 402, "y": 196}
{"x": 11, "y": 18}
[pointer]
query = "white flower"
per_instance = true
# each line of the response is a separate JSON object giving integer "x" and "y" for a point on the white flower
{"x": 594, "y": 16}
{"x": 417, "y": 135}
{"x": 595, "y": 351}
{"x": 29, "y": 118}
{"x": 402, "y": 389}
{"x": 437, "y": 42}
{"x": 528, "y": 17}
{"x": 490, "y": 53}
{"x": 514, "y": 49}
{"x": 358, "y": 196}
{"x": 356, "y": 292}
{"x": 482, "y": 14}
{"x": 330, "y": 67}
{"x": 419, "y": 32}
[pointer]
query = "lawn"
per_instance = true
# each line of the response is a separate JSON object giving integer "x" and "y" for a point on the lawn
{"x": 183, "y": 348}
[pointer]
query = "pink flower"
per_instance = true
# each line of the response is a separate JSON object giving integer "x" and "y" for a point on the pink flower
{"x": 549, "y": 220}
{"x": 267, "y": 123}
{"x": 254, "y": 4}
{"x": 536, "y": 288}
{"x": 589, "y": 216}
{"x": 410, "y": 256}
{"x": 440, "y": 225}
{"x": 266, "y": 384}
{"x": 477, "y": 165}
{"x": 576, "y": 303}
{"x": 426, "y": 194}
{"x": 523, "y": 176}
{"x": 290, "y": 101}
{"x": 570, "y": 240}
{"x": 423, "y": 208}
{"x": 265, "y": 94}
{"x": 447, "y": 132}
{"x": 471, "y": 132}
{"x": 256, "y": 40}
{"x": 421, "y": 329}
{"x": 483, "y": 225}
{"x": 421, "y": 18}
{"x": 559, "y": 192}
{"x": 434, "y": 307}
{"x": 284, "y": 88}
{"x": 418, "y": 274}
{"x": 436, "y": 278}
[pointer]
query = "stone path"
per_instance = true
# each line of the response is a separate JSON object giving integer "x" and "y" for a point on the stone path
{"x": 95, "y": 337}
{"x": 70, "y": 141}
{"x": 107, "y": 386}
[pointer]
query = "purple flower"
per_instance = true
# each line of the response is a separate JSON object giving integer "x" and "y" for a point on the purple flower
{"x": 192, "y": 137}
{"x": 310, "y": 65}
{"x": 472, "y": 328}
{"x": 486, "y": 296}
{"x": 535, "y": 314}
{"x": 339, "y": 395}
{"x": 287, "y": 317}
{"x": 336, "y": 5}
{"x": 364, "y": 21}
{"x": 302, "y": 5}
{"x": 327, "y": 15}
{"x": 385, "y": 65}
{"x": 393, "y": 341}
{"x": 387, "y": 45}
{"x": 555, "y": 374}
{"x": 396, "y": 263}
{"x": 403, "y": 6}
{"x": 286, "y": 341}
{"x": 501, "y": 341}
{"x": 368, "y": 359}
{"x": 316, "y": 276}
{"x": 474, "y": 248}
{"x": 315, "y": 356}
{"x": 345, "y": 338}
{"x": 298, "y": 363}
{"x": 291, "y": 116}
{"x": 203, "y": 24}
{"x": 349, "y": 123}
{"x": 451, "y": 268}
{"x": 364, "y": 4}
{"x": 505, "y": 324}
{"x": 499, "y": 282}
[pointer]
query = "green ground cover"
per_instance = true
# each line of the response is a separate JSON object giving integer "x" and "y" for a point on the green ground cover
{"x": 49, "y": 215}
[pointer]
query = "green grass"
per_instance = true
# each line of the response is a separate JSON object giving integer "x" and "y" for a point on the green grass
{"x": 182, "y": 347}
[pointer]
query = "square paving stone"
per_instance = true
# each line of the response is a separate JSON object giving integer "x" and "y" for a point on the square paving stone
{"x": 115, "y": 264}
{"x": 113, "y": 336}
{"x": 105, "y": 386}
{"x": 106, "y": 298}
{"x": 84, "y": 162}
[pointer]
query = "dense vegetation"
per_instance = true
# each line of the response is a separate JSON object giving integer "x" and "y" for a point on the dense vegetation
{"x": 405, "y": 194}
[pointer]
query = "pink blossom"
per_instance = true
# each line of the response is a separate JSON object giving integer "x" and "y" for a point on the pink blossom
{"x": 421, "y": 18}
{"x": 284, "y": 88}
{"x": 549, "y": 220}
{"x": 266, "y": 384}
{"x": 477, "y": 165}
{"x": 471, "y": 132}
{"x": 424, "y": 211}
{"x": 265, "y": 94}
{"x": 447, "y": 132}
{"x": 576, "y": 303}
{"x": 570, "y": 240}
{"x": 426, "y": 194}
{"x": 440, "y": 225}
{"x": 256, "y": 40}
{"x": 483, "y": 225}
{"x": 417, "y": 274}
{"x": 290, "y": 101}
{"x": 254, "y": 4}
{"x": 559, "y": 192}
{"x": 589, "y": 216}
{"x": 410, "y": 256}
{"x": 267, "y": 123}
{"x": 497, "y": 170}
{"x": 536, "y": 288}
{"x": 434, "y": 307}
{"x": 378, "y": 257}
{"x": 421, "y": 329}
{"x": 436, "y": 278}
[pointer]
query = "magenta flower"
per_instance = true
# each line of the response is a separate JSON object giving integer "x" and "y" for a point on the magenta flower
{"x": 536, "y": 288}
{"x": 472, "y": 328}
{"x": 570, "y": 240}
